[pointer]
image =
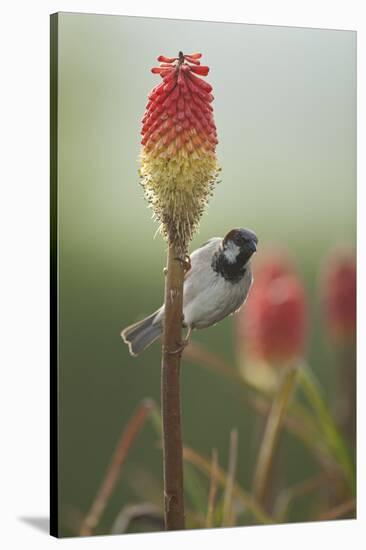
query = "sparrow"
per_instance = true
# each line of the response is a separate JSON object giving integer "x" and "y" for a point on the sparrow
{"x": 216, "y": 285}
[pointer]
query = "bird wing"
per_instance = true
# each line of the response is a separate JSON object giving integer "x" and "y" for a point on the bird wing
{"x": 213, "y": 239}
{"x": 196, "y": 278}
{"x": 203, "y": 252}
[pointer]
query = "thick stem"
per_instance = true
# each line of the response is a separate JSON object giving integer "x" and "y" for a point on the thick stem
{"x": 170, "y": 392}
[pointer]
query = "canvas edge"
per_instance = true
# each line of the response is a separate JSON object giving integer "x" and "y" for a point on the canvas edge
{"x": 54, "y": 484}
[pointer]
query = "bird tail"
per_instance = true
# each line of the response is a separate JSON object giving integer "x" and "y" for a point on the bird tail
{"x": 140, "y": 335}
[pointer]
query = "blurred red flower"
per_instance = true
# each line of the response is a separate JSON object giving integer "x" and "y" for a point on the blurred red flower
{"x": 272, "y": 324}
{"x": 338, "y": 291}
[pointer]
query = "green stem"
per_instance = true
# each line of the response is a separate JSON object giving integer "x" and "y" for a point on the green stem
{"x": 268, "y": 448}
{"x": 247, "y": 500}
{"x": 334, "y": 440}
{"x": 228, "y": 494}
{"x": 213, "y": 490}
{"x": 299, "y": 421}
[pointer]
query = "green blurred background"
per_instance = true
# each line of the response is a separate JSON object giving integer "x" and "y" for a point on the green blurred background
{"x": 285, "y": 109}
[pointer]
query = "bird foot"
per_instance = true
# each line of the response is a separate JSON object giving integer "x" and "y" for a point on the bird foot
{"x": 184, "y": 343}
{"x": 185, "y": 261}
{"x": 176, "y": 351}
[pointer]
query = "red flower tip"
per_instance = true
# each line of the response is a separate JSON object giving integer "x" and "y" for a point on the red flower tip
{"x": 164, "y": 59}
{"x": 180, "y": 104}
{"x": 194, "y": 55}
{"x": 272, "y": 324}
{"x": 338, "y": 290}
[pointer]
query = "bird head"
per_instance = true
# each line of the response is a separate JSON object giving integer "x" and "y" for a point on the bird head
{"x": 239, "y": 244}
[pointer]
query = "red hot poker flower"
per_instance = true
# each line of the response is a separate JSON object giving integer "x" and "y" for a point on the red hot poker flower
{"x": 178, "y": 159}
{"x": 272, "y": 325}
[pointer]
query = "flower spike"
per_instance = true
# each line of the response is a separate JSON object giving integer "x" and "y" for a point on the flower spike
{"x": 178, "y": 157}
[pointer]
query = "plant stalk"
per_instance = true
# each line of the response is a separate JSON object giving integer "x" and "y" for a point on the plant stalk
{"x": 113, "y": 473}
{"x": 213, "y": 489}
{"x": 170, "y": 392}
{"x": 269, "y": 445}
{"x": 228, "y": 495}
{"x": 248, "y": 501}
{"x": 332, "y": 436}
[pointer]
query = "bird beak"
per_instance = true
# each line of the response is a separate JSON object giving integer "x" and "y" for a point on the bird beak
{"x": 254, "y": 246}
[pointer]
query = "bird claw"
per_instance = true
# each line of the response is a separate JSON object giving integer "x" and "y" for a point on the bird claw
{"x": 184, "y": 343}
{"x": 181, "y": 347}
{"x": 176, "y": 351}
{"x": 186, "y": 262}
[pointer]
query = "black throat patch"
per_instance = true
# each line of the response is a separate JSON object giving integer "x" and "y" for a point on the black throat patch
{"x": 232, "y": 272}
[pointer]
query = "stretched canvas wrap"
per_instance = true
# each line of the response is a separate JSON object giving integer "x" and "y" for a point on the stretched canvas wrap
{"x": 203, "y": 274}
